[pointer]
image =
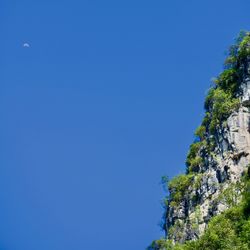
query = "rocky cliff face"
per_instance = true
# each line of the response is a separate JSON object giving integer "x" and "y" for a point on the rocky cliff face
{"x": 216, "y": 183}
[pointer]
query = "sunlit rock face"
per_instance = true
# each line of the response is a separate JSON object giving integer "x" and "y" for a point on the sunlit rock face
{"x": 222, "y": 169}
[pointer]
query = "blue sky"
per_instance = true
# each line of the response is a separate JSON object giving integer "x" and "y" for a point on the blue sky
{"x": 103, "y": 103}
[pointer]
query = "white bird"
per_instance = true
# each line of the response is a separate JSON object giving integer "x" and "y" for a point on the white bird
{"x": 26, "y": 45}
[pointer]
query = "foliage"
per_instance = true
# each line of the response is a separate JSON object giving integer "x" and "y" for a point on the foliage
{"x": 197, "y": 181}
{"x": 176, "y": 230}
{"x": 238, "y": 50}
{"x": 230, "y": 196}
{"x": 228, "y": 81}
{"x": 222, "y": 99}
{"x": 178, "y": 186}
{"x": 201, "y": 132}
{"x": 221, "y": 234}
{"x": 161, "y": 244}
{"x": 229, "y": 230}
{"x": 244, "y": 49}
{"x": 195, "y": 218}
{"x": 221, "y": 104}
{"x": 194, "y": 160}
{"x": 227, "y": 84}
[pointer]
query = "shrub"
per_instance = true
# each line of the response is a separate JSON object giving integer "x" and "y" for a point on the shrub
{"x": 231, "y": 195}
{"x": 221, "y": 104}
{"x": 244, "y": 49}
{"x": 201, "y": 132}
{"x": 228, "y": 81}
{"x": 236, "y": 49}
{"x": 178, "y": 187}
{"x": 176, "y": 230}
{"x": 221, "y": 99}
{"x": 221, "y": 234}
{"x": 161, "y": 244}
{"x": 245, "y": 233}
{"x": 194, "y": 160}
{"x": 229, "y": 230}
{"x": 209, "y": 101}
{"x": 197, "y": 181}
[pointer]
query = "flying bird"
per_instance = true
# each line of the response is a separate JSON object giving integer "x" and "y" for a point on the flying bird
{"x": 26, "y": 45}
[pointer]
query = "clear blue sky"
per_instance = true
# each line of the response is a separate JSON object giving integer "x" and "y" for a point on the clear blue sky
{"x": 103, "y": 103}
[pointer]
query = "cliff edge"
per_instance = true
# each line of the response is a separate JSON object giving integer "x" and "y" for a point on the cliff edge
{"x": 217, "y": 161}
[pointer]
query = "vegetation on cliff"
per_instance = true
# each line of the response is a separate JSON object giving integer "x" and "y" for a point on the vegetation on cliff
{"x": 231, "y": 229}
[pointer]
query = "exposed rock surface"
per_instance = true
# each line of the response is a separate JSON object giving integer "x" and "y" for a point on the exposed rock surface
{"x": 222, "y": 168}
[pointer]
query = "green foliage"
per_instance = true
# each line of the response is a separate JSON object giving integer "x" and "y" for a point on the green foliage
{"x": 178, "y": 187}
{"x": 194, "y": 160}
{"x": 196, "y": 218}
{"x": 197, "y": 181}
{"x": 161, "y": 244}
{"x": 245, "y": 233}
{"x": 230, "y": 196}
{"x": 220, "y": 104}
{"x": 221, "y": 234}
{"x": 246, "y": 195}
{"x": 194, "y": 164}
{"x": 207, "y": 117}
{"x": 208, "y": 104}
{"x": 222, "y": 99}
{"x": 228, "y": 81}
{"x": 201, "y": 132}
{"x": 237, "y": 51}
{"x": 244, "y": 49}
{"x": 229, "y": 230}
{"x": 176, "y": 230}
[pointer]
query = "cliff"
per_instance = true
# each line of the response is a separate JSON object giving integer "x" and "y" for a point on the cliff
{"x": 217, "y": 160}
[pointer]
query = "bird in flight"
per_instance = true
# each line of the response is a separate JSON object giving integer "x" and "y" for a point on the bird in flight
{"x": 26, "y": 45}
